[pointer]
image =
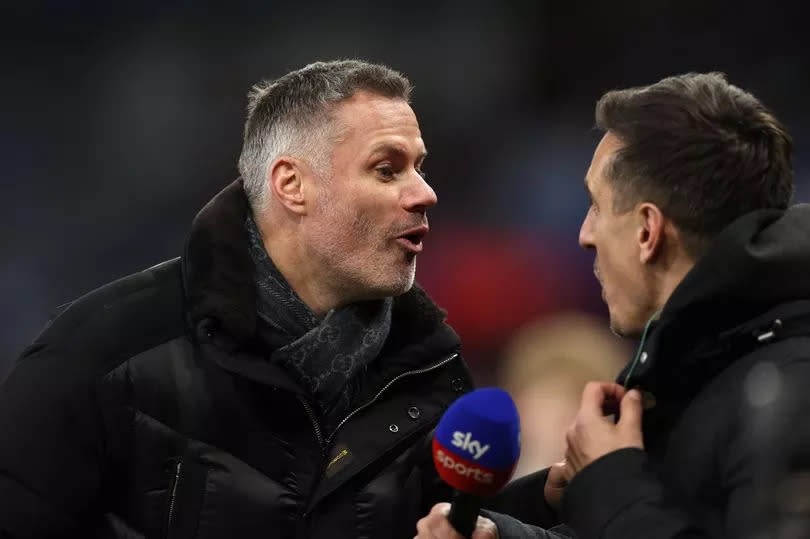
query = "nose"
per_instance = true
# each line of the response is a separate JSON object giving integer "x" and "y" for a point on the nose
{"x": 420, "y": 195}
{"x": 586, "y": 232}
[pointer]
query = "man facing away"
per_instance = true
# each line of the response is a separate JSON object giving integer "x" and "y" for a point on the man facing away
{"x": 281, "y": 378}
{"x": 701, "y": 258}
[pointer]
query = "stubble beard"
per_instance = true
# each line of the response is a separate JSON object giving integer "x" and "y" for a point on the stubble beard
{"x": 371, "y": 274}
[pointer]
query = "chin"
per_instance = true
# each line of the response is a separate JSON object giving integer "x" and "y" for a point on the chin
{"x": 619, "y": 332}
{"x": 393, "y": 286}
{"x": 619, "y": 325}
{"x": 630, "y": 331}
{"x": 401, "y": 286}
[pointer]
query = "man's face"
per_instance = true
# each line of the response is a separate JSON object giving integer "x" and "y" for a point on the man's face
{"x": 367, "y": 224}
{"x": 614, "y": 239}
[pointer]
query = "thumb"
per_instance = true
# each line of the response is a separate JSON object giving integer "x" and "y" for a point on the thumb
{"x": 485, "y": 529}
{"x": 557, "y": 475}
{"x": 630, "y": 414}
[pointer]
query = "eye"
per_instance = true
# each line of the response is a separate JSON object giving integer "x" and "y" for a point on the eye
{"x": 591, "y": 204}
{"x": 386, "y": 172}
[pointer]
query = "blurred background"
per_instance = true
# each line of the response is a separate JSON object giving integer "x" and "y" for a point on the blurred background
{"x": 121, "y": 119}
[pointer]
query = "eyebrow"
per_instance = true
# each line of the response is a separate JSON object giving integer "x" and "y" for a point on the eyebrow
{"x": 587, "y": 188}
{"x": 388, "y": 147}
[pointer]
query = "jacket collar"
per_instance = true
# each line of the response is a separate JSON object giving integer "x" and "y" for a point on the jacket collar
{"x": 756, "y": 272}
{"x": 220, "y": 291}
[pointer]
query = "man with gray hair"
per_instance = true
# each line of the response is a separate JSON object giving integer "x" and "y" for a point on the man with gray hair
{"x": 282, "y": 377}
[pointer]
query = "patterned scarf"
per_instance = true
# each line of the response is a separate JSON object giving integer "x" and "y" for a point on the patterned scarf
{"x": 323, "y": 355}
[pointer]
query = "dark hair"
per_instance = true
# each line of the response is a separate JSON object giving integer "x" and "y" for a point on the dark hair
{"x": 291, "y": 114}
{"x": 704, "y": 151}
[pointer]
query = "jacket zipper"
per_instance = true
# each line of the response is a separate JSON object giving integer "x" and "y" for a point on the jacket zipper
{"x": 319, "y": 437}
{"x": 357, "y": 410}
{"x": 315, "y": 425}
{"x": 640, "y": 348}
{"x": 384, "y": 388}
{"x": 173, "y": 495}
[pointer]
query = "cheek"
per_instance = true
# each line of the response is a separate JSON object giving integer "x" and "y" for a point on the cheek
{"x": 621, "y": 267}
{"x": 341, "y": 212}
{"x": 364, "y": 216}
{"x": 617, "y": 268}
{"x": 371, "y": 218}
{"x": 364, "y": 226}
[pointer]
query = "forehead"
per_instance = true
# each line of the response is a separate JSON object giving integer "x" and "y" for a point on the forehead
{"x": 602, "y": 157}
{"x": 369, "y": 118}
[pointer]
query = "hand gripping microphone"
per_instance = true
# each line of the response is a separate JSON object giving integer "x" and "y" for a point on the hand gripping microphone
{"x": 475, "y": 450}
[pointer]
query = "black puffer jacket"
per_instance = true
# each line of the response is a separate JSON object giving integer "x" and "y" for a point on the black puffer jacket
{"x": 147, "y": 409}
{"x": 726, "y": 370}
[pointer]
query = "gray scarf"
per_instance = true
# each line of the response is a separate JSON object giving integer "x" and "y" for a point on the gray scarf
{"x": 327, "y": 355}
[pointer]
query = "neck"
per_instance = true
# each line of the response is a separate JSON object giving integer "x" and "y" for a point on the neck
{"x": 671, "y": 277}
{"x": 287, "y": 255}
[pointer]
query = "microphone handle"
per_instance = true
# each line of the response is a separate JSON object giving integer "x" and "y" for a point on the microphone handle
{"x": 464, "y": 512}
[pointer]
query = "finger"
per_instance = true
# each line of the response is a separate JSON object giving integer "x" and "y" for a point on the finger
{"x": 556, "y": 475}
{"x": 423, "y": 530}
{"x": 571, "y": 465}
{"x": 597, "y": 395}
{"x": 440, "y": 525}
{"x": 427, "y": 526}
{"x": 485, "y": 529}
{"x": 445, "y": 530}
{"x": 424, "y": 526}
{"x": 569, "y": 473}
{"x": 441, "y": 508}
{"x": 631, "y": 410}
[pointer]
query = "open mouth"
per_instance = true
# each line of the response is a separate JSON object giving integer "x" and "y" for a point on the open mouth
{"x": 412, "y": 239}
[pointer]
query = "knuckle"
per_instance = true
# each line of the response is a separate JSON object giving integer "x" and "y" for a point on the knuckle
{"x": 487, "y": 526}
{"x": 570, "y": 434}
{"x": 422, "y": 526}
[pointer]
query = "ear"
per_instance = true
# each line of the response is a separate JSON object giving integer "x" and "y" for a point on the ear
{"x": 650, "y": 231}
{"x": 286, "y": 178}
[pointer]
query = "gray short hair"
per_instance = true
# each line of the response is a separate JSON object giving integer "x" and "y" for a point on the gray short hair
{"x": 291, "y": 115}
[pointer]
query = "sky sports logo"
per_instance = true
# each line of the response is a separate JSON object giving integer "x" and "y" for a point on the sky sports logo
{"x": 473, "y": 472}
{"x": 470, "y": 465}
{"x": 464, "y": 441}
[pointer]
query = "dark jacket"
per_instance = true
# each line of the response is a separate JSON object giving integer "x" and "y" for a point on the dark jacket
{"x": 147, "y": 409}
{"x": 726, "y": 372}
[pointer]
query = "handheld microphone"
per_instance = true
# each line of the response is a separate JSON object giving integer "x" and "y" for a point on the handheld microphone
{"x": 475, "y": 450}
